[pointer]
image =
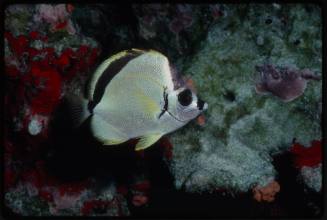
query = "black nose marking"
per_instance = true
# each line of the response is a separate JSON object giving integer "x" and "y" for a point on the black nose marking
{"x": 200, "y": 104}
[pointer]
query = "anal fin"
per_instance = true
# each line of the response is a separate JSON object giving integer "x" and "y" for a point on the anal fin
{"x": 147, "y": 141}
{"x": 105, "y": 132}
{"x": 113, "y": 142}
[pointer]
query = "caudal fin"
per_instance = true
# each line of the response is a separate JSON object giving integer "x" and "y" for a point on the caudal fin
{"x": 77, "y": 107}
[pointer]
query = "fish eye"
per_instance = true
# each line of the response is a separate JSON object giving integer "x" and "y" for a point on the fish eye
{"x": 185, "y": 97}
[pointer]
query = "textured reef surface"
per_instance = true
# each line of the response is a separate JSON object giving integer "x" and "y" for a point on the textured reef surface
{"x": 258, "y": 66}
{"x": 244, "y": 129}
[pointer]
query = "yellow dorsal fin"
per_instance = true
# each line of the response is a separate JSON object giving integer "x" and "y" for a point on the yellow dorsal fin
{"x": 147, "y": 141}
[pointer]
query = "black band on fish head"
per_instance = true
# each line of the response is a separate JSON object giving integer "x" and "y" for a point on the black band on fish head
{"x": 165, "y": 96}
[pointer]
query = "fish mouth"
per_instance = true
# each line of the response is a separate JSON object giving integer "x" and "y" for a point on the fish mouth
{"x": 176, "y": 117}
{"x": 202, "y": 105}
{"x": 205, "y": 107}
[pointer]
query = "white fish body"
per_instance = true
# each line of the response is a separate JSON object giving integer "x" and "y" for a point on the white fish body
{"x": 139, "y": 101}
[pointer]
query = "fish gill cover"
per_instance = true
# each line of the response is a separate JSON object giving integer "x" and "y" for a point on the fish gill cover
{"x": 222, "y": 52}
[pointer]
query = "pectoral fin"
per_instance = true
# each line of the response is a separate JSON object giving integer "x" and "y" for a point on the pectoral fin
{"x": 147, "y": 141}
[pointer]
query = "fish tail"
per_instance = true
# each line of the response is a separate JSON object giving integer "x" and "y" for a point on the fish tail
{"x": 78, "y": 109}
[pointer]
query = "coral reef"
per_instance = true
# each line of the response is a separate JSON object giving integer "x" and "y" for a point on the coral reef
{"x": 267, "y": 192}
{"x": 243, "y": 131}
{"x": 312, "y": 177}
{"x": 287, "y": 84}
{"x": 42, "y": 57}
{"x": 51, "y": 49}
{"x": 308, "y": 160}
